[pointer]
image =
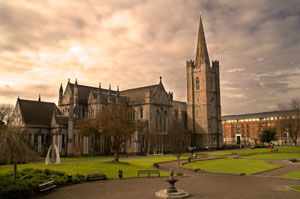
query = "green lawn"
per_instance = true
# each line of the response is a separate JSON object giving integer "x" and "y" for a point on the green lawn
{"x": 256, "y": 150}
{"x": 295, "y": 187}
{"x": 129, "y": 166}
{"x": 235, "y": 166}
{"x": 239, "y": 151}
{"x": 273, "y": 156}
{"x": 295, "y": 175}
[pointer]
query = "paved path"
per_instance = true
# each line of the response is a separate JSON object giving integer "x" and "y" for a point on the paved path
{"x": 199, "y": 185}
{"x": 287, "y": 167}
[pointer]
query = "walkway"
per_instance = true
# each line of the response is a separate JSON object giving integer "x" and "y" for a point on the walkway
{"x": 199, "y": 185}
{"x": 287, "y": 167}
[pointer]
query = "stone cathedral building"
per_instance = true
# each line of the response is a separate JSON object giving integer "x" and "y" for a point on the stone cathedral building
{"x": 47, "y": 122}
{"x": 203, "y": 97}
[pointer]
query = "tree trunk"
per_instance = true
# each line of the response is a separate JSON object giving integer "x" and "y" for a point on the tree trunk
{"x": 294, "y": 138}
{"x": 116, "y": 156}
{"x": 15, "y": 170}
{"x": 178, "y": 164}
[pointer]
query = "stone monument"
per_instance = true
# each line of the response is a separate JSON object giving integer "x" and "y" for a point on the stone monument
{"x": 53, "y": 156}
{"x": 171, "y": 192}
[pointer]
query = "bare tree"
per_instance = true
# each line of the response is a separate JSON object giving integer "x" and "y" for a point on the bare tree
{"x": 290, "y": 119}
{"x": 14, "y": 148}
{"x": 178, "y": 135}
{"x": 116, "y": 125}
{"x": 6, "y": 111}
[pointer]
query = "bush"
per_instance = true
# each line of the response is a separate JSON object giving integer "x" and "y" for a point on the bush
{"x": 16, "y": 190}
{"x": 28, "y": 181}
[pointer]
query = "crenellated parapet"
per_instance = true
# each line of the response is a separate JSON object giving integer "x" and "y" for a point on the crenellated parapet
{"x": 190, "y": 63}
{"x": 215, "y": 64}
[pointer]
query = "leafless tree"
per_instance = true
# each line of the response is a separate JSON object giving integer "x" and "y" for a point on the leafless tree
{"x": 114, "y": 123}
{"x": 14, "y": 147}
{"x": 6, "y": 111}
{"x": 178, "y": 135}
{"x": 290, "y": 119}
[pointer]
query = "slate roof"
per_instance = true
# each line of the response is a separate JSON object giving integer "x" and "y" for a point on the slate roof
{"x": 37, "y": 112}
{"x": 138, "y": 94}
{"x": 84, "y": 91}
{"x": 255, "y": 115}
{"x": 61, "y": 119}
{"x": 113, "y": 97}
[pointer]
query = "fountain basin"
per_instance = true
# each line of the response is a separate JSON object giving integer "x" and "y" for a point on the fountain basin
{"x": 171, "y": 195}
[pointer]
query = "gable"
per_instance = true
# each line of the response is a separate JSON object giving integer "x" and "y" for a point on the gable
{"x": 67, "y": 94}
{"x": 160, "y": 96}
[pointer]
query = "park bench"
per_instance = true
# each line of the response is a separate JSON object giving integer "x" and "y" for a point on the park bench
{"x": 96, "y": 176}
{"x": 47, "y": 186}
{"x": 233, "y": 153}
{"x": 148, "y": 172}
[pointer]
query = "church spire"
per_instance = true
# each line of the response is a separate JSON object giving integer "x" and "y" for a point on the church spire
{"x": 202, "y": 54}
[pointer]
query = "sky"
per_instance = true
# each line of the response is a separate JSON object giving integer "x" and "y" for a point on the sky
{"x": 132, "y": 43}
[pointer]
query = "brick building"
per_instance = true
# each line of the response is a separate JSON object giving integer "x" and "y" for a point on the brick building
{"x": 245, "y": 129}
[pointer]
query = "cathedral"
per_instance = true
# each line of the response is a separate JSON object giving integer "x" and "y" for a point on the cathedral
{"x": 46, "y": 122}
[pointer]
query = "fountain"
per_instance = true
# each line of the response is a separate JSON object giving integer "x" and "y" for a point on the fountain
{"x": 171, "y": 192}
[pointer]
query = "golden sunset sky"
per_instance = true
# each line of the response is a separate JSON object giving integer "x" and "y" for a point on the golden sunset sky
{"x": 131, "y": 43}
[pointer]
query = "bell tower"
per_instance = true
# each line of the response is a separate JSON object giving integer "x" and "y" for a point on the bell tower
{"x": 203, "y": 97}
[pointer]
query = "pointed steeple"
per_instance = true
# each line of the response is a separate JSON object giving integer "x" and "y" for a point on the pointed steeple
{"x": 61, "y": 88}
{"x": 39, "y": 98}
{"x": 202, "y": 53}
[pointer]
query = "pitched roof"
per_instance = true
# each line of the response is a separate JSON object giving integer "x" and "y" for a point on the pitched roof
{"x": 137, "y": 94}
{"x": 255, "y": 115}
{"x": 113, "y": 97}
{"x": 84, "y": 91}
{"x": 61, "y": 119}
{"x": 37, "y": 112}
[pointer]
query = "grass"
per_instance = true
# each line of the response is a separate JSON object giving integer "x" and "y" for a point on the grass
{"x": 129, "y": 166}
{"x": 42, "y": 159}
{"x": 295, "y": 187}
{"x": 234, "y": 166}
{"x": 273, "y": 156}
{"x": 256, "y": 150}
{"x": 239, "y": 151}
{"x": 293, "y": 175}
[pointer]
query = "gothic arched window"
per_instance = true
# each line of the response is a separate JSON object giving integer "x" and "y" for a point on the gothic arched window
{"x": 141, "y": 112}
{"x": 156, "y": 120}
{"x": 165, "y": 122}
{"x": 197, "y": 83}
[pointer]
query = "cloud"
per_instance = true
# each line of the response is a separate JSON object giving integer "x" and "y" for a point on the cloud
{"x": 131, "y": 43}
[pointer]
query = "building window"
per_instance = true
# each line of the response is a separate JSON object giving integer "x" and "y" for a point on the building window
{"x": 141, "y": 112}
{"x": 133, "y": 114}
{"x": 197, "y": 83}
{"x": 165, "y": 122}
{"x": 156, "y": 120}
